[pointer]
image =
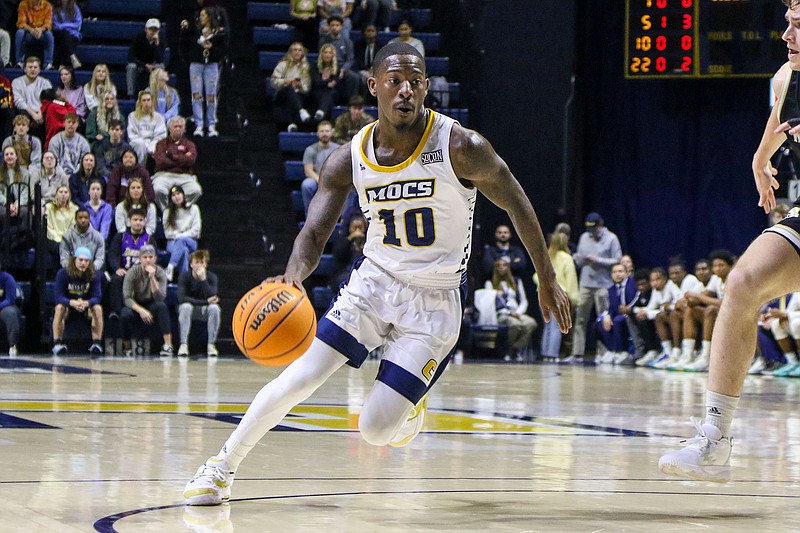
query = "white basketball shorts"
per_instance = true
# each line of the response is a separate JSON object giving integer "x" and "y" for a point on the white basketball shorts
{"x": 418, "y": 327}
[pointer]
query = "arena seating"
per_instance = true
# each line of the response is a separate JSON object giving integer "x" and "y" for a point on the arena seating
{"x": 284, "y": 36}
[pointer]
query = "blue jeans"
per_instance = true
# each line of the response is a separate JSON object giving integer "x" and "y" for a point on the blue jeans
{"x": 179, "y": 251}
{"x": 204, "y": 76}
{"x": 23, "y": 38}
{"x": 551, "y": 338}
{"x": 308, "y": 188}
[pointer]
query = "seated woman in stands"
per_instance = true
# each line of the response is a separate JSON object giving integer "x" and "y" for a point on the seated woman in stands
{"x": 100, "y": 212}
{"x": 329, "y": 83}
{"x": 79, "y": 181}
{"x": 291, "y": 80}
{"x": 405, "y": 29}
{"x": 511, "y": 307}
{"x": 135, "y": 199}
{"x": 99, "y": 85}
{"x": 146, "y": 126}
{"x": 72, "y": 92}
{"x": 78, "y": 292}
{"x": 167, "y": 99}
{"x": 14, "y": 182}
{"x": 99, "y": 117}
{"x": 50, "y": 176}
{"x": 28, "y": 147}
{"x": 67, "y": 19}
{"x": 182, "y": 227}
{"x": 60, "y": 215}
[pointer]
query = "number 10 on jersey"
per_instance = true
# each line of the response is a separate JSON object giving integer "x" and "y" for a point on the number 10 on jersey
{"x": 419, "y": 227}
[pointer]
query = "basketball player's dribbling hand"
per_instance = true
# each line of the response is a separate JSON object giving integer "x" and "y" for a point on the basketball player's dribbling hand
{"x": 289, "y": 280}
{"x": 553, "y": 299}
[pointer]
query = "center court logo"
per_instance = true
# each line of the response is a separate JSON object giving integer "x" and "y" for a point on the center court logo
{"x": 426, "y": 158}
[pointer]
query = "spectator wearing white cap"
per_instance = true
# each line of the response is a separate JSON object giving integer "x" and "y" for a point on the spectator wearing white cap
{"x": 146, "y": 53}
{"x": 78, "y": 292}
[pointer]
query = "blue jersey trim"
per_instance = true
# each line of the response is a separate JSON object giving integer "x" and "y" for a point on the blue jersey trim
{"x": 402, "y": 381}
{"x": 338, "y": 339}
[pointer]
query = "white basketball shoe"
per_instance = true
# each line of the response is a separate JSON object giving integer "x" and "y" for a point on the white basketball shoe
{"x": 706, "y": 458}
{"x": 211, "y": 485}
{"x": 413, "y": 424}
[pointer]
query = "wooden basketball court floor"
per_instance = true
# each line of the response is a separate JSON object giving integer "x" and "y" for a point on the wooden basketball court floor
{"x": 108, "y": 446}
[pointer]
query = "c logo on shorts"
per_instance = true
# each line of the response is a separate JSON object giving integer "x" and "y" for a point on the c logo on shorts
{"x": 429, "y": 369}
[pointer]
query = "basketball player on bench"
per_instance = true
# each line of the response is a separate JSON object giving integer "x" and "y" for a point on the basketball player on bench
{"x": 767, "y": 269}
{"x": 417, "y": 173}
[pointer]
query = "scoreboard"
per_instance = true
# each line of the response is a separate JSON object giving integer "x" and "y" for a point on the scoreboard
{"x": 704, "y": 38}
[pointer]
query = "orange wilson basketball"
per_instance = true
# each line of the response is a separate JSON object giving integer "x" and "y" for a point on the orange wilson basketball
{"x": 274, "y": 324}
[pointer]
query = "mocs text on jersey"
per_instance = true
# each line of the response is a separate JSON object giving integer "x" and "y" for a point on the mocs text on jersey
{"x": 401, "y": 190}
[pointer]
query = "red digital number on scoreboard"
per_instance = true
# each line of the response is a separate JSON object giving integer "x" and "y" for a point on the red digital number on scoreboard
{"x": 660, "y": 38}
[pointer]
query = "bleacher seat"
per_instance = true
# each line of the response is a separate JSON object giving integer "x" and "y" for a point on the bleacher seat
{"x": 50, "y": 293}
{"x": 270, "y": 36}
{"x": 140, "y": 8}
{"x": 340, "y": 231}
{"x": 295, "y": 141}
{"x": 112, "y": 55}
{"x": 269, "y": 12}
{"x": 115, "y": 30}
{"x": 431, "y": 40}
{"x": 294, "y": 170}
{"x": 297, "y": 202}
{"x": 321, "y": 297}
{"x": 326, "y": 266}
{"x": 172, "y": 295}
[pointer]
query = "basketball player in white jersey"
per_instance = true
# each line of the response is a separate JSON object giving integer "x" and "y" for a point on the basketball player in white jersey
{"x": 416, "y": 173}
{"x": 769, "y": 268}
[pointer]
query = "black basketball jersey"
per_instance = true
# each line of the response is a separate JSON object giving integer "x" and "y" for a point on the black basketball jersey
{"x": 789, "y": 108}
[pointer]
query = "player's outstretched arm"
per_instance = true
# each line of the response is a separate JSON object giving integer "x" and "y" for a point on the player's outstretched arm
{"x": 335, "y": 183}
{"x": 475, "y": 160}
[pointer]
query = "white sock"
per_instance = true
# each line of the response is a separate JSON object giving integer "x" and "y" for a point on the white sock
{"x": 706, "y": 349}
{"x": 233, "y": 453}
{"x": 276, "y": 399}
{"x": 720, "y": 410}
{"x": 666, "y": 346}
{"x": 791, "y": 358}
{"x": 687, "y": 346}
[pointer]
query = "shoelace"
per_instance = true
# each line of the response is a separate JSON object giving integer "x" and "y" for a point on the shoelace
{"x": 213, "y": 471}
{"x": 701, "y": 437}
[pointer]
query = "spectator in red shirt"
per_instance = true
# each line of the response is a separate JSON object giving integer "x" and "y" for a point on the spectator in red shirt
{"x": 6, "y": 107}
{"x": 175, "y": 157}
{"x": 54, "y": 111}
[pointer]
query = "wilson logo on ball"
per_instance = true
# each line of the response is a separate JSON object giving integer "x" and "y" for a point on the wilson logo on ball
{"x": 273, "y": 305}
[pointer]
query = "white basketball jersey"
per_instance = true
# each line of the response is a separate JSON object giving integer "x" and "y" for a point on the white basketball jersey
{"x": 419, "y": 214}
